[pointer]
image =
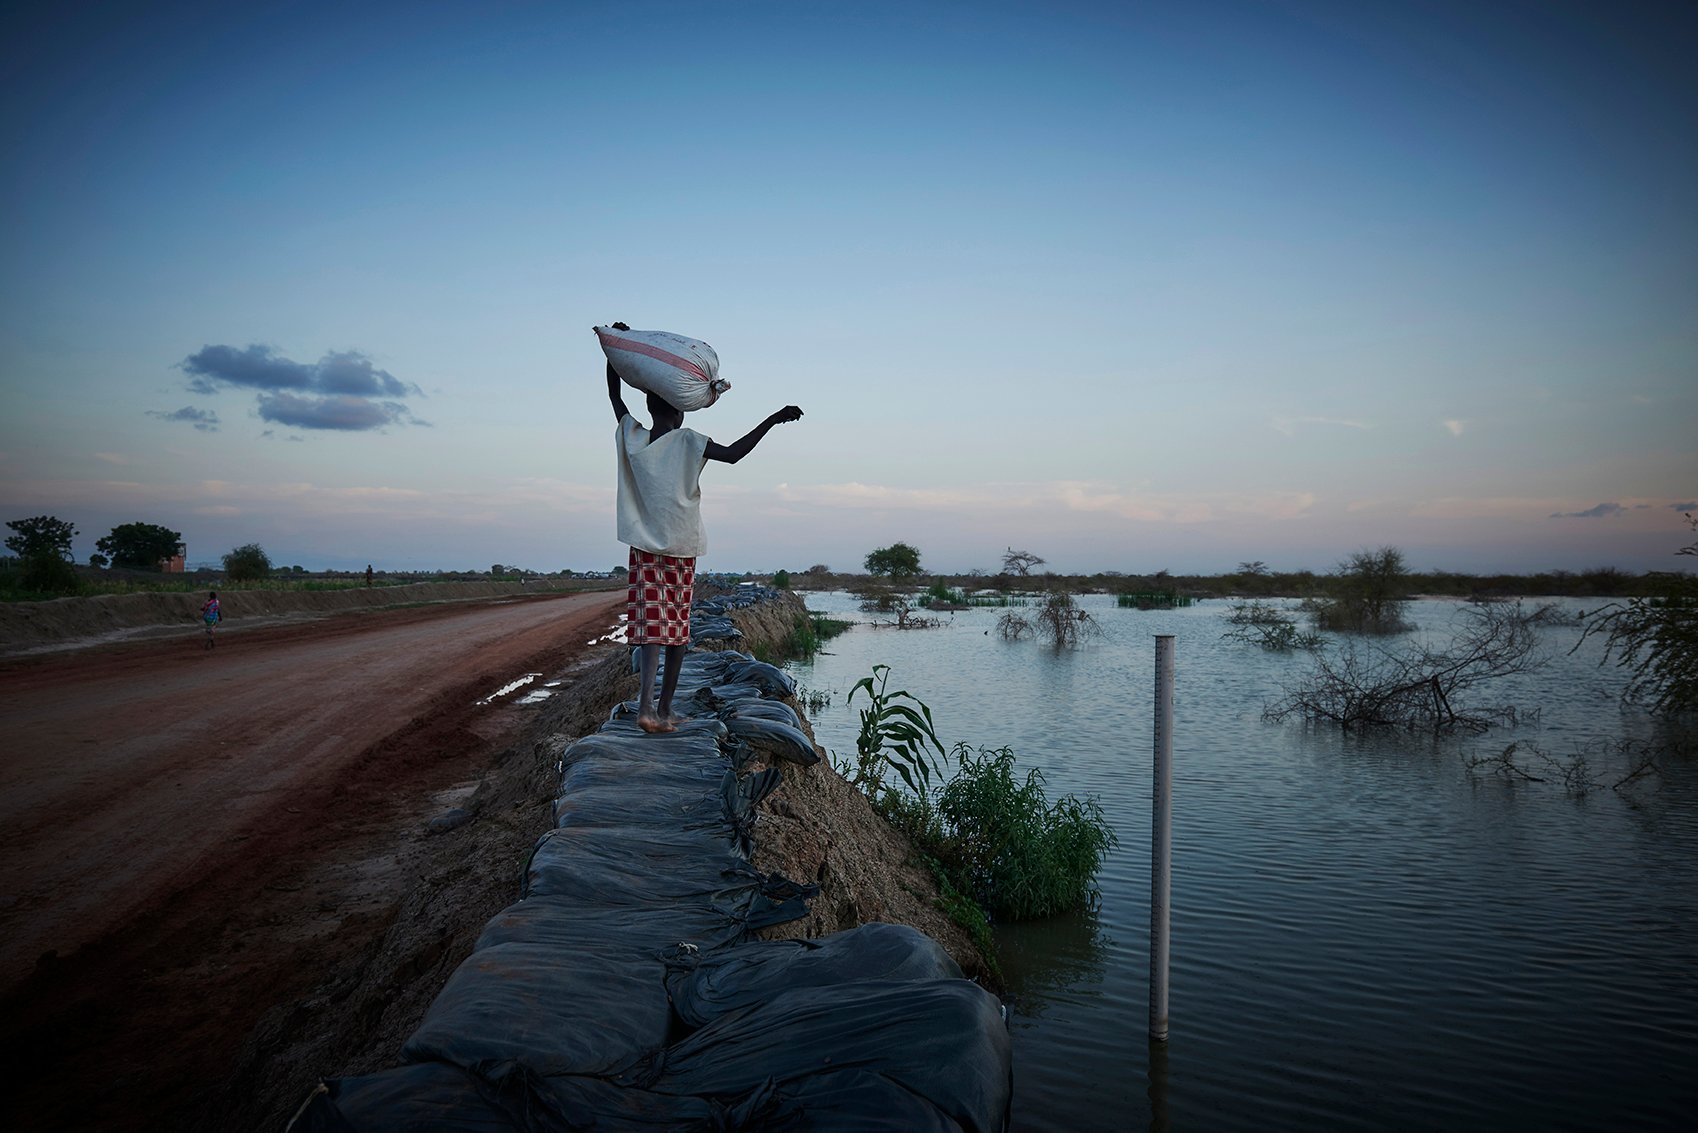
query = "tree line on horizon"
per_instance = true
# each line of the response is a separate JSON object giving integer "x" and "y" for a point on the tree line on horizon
{"x": 44, "y": 564}
{"x": 901, "y": 563}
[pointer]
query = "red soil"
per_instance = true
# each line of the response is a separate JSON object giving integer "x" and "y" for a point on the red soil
{"x": 188, "y": 836}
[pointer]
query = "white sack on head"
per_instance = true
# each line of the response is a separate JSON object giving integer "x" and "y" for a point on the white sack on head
{"x": 683, "y": 371}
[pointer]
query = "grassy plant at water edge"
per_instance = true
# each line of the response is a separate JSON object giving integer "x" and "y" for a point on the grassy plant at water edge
{"x": 808, "y": 632}
{"x": 995, "y": 836}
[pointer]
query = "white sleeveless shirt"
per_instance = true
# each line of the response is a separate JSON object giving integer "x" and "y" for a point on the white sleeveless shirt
{"x": 660, "y": 491}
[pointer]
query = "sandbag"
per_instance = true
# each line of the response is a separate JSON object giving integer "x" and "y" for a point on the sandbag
{"x": 703, "y": 986}
{"x": 943, "y": 1041}
{"x": 682, "y": 371}
{"x": 771, "y": 738}
{"x": 552, "y": 1010}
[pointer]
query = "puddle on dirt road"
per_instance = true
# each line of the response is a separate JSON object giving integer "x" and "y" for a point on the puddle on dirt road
{"x": 508, "y": 689}
{"x": 615, "y": 635}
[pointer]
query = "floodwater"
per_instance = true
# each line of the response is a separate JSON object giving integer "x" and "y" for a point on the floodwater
{"x": 1365, "y": 933}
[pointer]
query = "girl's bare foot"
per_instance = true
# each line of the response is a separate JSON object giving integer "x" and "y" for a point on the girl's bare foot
{"x": 654, "y": 725}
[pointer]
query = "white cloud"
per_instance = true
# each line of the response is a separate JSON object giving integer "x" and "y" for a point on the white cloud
{"x": 1456, "y": 425}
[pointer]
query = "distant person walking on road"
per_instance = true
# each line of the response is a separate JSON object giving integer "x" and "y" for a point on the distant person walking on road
{"x": 210, "y": 616}
{"x": 660, "y": 519}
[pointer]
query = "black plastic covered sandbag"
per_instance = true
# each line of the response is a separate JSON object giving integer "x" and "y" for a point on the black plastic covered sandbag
{"x": 707, "y": 985}
{"x": 941, "y": 1040}
{"x": 773, "y": 739}
{"x": 609, "y": 1108}
{"x": 551, "y": 1010}
{"x": 712, "y": 698}
{"x": 639, "y": 931}
{"x": 770, "y": 679}
{"x": 619, "y": 867}
{"x": 725, "y": 809}
{"x": 775, "y": 710}
{"x": 713, "y": 628}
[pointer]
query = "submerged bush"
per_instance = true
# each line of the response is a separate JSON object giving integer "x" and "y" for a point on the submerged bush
{"x": 1368, "y": 595}
{"x": 1009, "y": 847}
{"x": 1059, "y": 621}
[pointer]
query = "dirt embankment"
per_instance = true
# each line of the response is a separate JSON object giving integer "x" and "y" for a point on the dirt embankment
{"x": 29, "y": 627}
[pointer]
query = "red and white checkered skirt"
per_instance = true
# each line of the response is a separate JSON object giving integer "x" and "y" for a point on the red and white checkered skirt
{"x": 657, "y": 604}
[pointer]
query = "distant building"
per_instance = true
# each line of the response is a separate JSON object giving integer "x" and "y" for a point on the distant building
{"x": 174, "y": 564}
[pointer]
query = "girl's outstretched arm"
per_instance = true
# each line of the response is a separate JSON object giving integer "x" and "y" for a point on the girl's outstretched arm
{"x": 732, "y": 453}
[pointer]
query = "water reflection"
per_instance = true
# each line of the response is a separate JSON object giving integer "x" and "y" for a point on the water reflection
{"x": 1157, "y": 1076}
{"x": 1058, "y": 956}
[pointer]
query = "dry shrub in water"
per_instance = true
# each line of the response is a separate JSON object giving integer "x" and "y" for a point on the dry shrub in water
{"x": 1059, "y": 621}
{"x": 1617, "y": 765}
{"x": 1656, "y": 639}
{"x": 1265, "y": 624}
{"x": 1419, "y": 686}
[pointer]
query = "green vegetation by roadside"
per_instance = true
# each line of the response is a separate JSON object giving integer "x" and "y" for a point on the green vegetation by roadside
{"x": 999, "y": 847}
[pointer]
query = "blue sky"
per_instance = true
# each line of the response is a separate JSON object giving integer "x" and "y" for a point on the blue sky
{"x": 1134, "y": 286}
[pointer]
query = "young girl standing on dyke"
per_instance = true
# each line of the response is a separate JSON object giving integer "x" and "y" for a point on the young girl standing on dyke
{"x": 660, "y": 519}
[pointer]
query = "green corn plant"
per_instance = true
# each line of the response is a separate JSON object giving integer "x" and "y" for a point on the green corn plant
{"x": 894, "y": 736}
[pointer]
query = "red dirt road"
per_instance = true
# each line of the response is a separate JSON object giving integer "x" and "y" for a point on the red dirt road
{"x": 149, "y": 792}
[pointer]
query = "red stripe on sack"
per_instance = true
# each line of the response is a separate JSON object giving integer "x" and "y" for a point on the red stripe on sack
{"x": 656, "y": 353}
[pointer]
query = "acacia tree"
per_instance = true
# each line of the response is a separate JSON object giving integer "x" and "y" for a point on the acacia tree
{"x": 899, "y": 560}
{"x": 1656, "y": 639}
{"x": 43, "y": 543}
{"x": 140, "y": 546}
{"x": 41, "y": 535}
{"x": 1019, "y": 562}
